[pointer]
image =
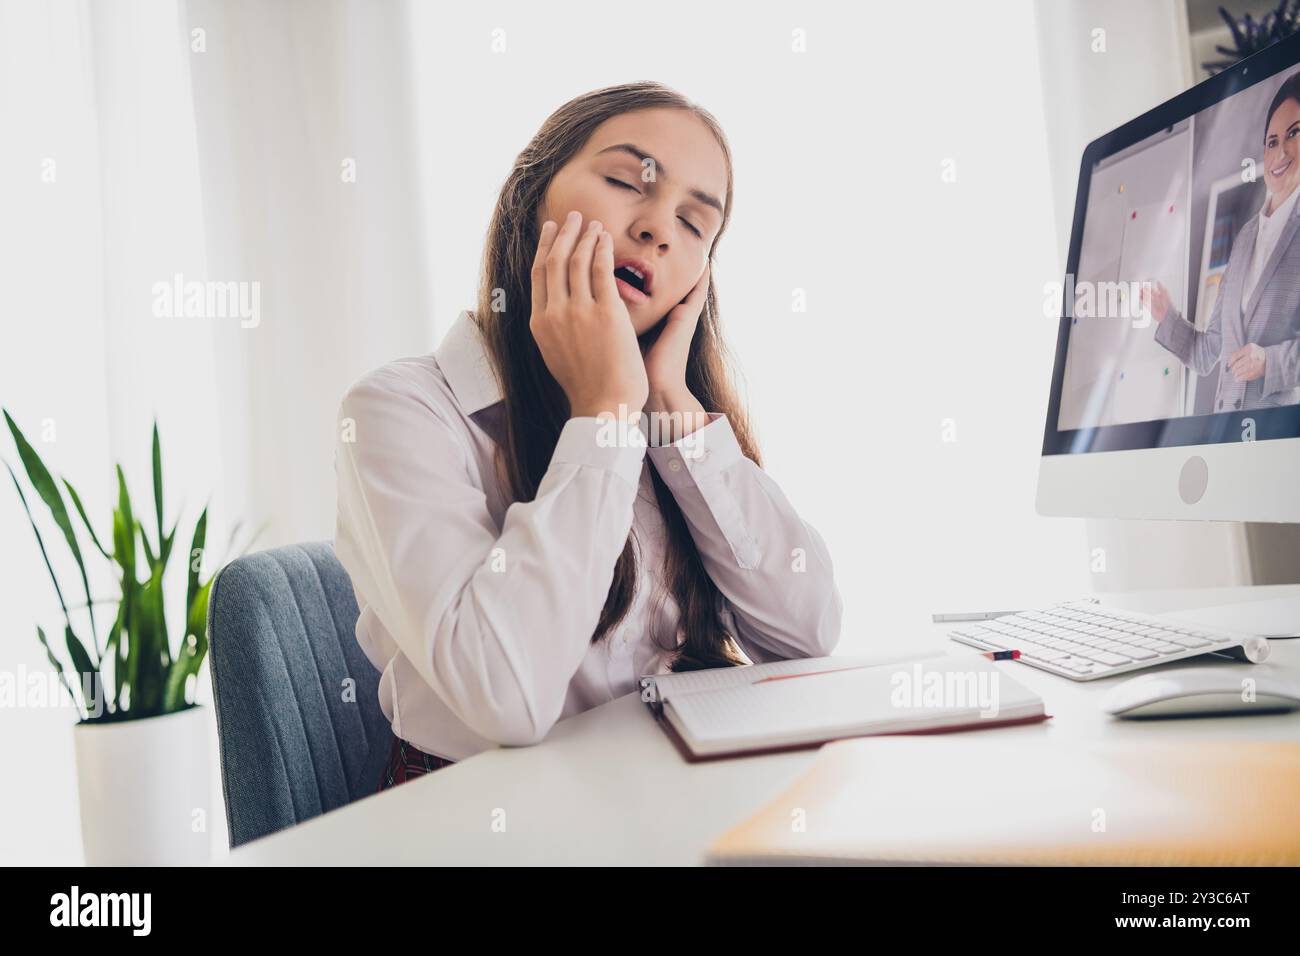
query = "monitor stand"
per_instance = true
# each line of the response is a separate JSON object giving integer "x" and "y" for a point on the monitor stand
{"x": 1271, "y": 617}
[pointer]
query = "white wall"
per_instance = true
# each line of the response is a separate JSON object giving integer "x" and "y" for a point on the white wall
{"x": 52, "y": 370}
{"x": 1094, "y": 81}
{"x": 221, "y": 164}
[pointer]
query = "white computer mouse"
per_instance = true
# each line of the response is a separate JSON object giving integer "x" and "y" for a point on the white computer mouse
{"x": 1202, "y": 690}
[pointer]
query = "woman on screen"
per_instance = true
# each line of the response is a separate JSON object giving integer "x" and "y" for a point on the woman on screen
{"x": 1254, "y": 327}
{"x": 518, "y": 554}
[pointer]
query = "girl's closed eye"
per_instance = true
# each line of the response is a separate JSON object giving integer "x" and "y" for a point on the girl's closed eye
{"x": 619, "y": 182}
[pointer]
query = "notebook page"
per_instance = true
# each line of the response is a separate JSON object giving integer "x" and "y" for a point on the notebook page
{"x": 661, "y": 686}
{"x": 853, "y": 701}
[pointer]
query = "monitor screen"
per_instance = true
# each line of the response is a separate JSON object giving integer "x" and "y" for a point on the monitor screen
{"x": 1180, "y": 309}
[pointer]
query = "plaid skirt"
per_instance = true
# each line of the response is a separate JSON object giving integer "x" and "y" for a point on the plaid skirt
{"x": 407, "y": 761}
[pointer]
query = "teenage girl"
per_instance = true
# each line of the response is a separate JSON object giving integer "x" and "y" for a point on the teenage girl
{"x": 567, "y": 494}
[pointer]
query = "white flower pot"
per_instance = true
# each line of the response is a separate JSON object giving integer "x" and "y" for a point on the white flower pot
{"x": 144, "y": 790}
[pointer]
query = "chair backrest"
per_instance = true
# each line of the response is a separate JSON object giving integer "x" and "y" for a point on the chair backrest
{"x": 296, "y": 699}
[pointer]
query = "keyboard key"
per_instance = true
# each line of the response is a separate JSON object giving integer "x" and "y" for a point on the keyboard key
{"x": 1037, "y": 652}
{"x": 1106, "y": 657}
{"x": 1045, "y": 652}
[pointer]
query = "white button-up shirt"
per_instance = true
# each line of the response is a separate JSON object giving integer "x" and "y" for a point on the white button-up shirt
{"x": 479, "y": 610}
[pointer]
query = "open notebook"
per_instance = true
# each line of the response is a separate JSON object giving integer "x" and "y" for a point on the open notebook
{"x": 991, "y": 801}
{"x": 795, "y": 704}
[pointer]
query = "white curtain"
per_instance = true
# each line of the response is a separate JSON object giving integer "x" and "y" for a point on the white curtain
{"x": 266, "y": 143}
{"x": 308, "y": 171}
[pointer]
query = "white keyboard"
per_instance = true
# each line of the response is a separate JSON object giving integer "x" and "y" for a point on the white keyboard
{"x": 1083, "y": 641}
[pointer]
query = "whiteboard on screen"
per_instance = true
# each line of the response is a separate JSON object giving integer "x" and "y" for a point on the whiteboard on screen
{"x": 1090, "y": 359}
{"x": 1148, "y": 378}
{"x": 1115, "y": 372}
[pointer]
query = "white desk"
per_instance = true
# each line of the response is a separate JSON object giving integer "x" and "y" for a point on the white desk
{"x": 608, "y": 787}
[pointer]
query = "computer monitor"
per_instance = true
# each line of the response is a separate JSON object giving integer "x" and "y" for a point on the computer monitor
{"x": 1176, "y": 385}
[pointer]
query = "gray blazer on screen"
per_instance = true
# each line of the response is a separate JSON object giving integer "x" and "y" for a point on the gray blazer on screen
{"x": 1271, "y": 320}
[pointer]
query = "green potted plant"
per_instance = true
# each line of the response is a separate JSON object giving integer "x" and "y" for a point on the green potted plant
{"x": 141, "y": 742}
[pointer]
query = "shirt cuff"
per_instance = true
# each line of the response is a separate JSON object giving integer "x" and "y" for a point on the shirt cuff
{"x": 602, "y": 443}
{"x": 1175, "y": 334}
{"x": 1274, "y": 366}
{"x": 693, "y": 458}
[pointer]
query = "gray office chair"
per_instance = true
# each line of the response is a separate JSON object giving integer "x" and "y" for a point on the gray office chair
{"x": 295, "y": 740}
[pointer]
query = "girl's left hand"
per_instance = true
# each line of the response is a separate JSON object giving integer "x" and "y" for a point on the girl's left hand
{"x": 1247, "y": 363}
{"x": 665, "y": 360}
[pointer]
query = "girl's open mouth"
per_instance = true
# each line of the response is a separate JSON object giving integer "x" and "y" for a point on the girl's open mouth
{"x": 630, "y": 293}
{"x": 1279, "y": 170}
{"x": 635, "y": 279}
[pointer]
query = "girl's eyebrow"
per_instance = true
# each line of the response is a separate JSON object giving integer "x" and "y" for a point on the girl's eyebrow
{"x": 699, "y": 194}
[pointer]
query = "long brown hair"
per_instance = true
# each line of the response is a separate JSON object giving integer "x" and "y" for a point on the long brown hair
{"x": 536, "y": 406}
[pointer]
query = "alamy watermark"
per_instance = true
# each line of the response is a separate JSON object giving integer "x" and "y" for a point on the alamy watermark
{"x": 127, "y": 910}
{"x": 1100, "y": 300}
{"x": 945, "y": 689}
{"x": 655, "y": 428}
{"x": 46, "y": 688}
{"x": 196, "y": 299}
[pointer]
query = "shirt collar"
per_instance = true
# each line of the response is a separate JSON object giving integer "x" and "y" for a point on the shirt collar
{"x": 465, "y": 363}
{"x": 1281, "y": 213}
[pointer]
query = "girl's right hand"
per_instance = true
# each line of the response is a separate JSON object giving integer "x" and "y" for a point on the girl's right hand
{"x": 580, "y": 323}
